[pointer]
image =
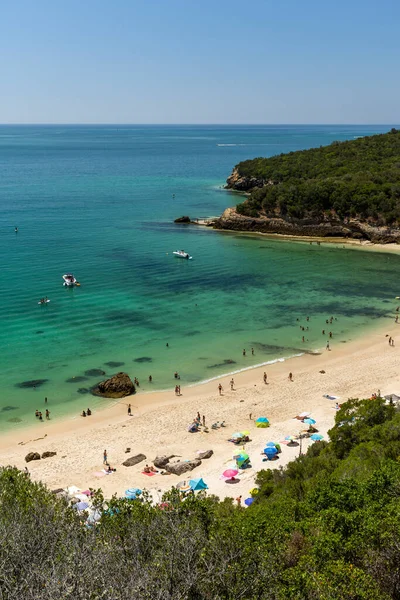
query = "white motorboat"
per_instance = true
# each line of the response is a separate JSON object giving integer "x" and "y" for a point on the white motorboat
{"x": 69, "y": 280}
{"x": 182, "y": 254}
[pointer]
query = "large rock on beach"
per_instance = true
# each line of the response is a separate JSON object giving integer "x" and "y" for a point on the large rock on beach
{"x": 182, "y": 467}
{"x": 32, "y": 456}
{"x": 134, "y": 460}
{"x": 205, "y": 454}
{"x": 118, "y": 386}
{"x": 161, "y": 461}
{"x": 48, "y": 454}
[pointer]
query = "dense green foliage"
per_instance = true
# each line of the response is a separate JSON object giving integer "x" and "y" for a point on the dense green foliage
{"x": 359, "y": 178}
{"x": 325, "y": 528}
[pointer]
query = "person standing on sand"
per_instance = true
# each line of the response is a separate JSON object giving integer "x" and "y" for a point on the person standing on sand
{"x": 232, "y": 383}
{"x": 265, "y": 377}
{"x": 129, "y": 410}
{"x": 105, "y": 459}
{"x": 220, "y": 389}
{"x": 239, "y": 500}
{"x": 204, "y": 421}
{"x": 47, "y": 414}
{"x": 250, "y": 415}
{"x": 290, "y": 376}
{"x": 327, "y": 345}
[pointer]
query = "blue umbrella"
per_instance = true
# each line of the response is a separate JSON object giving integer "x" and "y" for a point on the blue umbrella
{"x": 81, "y": 505}
{"x": 270, "y": 452}
{"x": 249, "y": 501}
{"x": 271, "y": 445}
{"x": 262, "y": 420}
{"x": 133, "y": 493}
{"x": 198, "y": 484}
{"x": 310, "y": 421}
{"x": 316, "y": 437}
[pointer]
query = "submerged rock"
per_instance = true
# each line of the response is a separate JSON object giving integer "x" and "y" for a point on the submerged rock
{"x": 31, "y": 384}
{"x": 143, "y": 359}
{"x": 76, "y": 379}
{"x": 227, "y": 361}
{"x": 83, "y": 391}
{"x": 94, "y": 372}
{"x": 114, "y": 364}
{"x": 7, "y": 408}
{"x": 118, "y": 386}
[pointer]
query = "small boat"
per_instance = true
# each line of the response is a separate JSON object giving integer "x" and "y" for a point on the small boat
{"x": 69, "y": 280}
{"x": 182, "y": 254}
{"x": 44, "y": 301}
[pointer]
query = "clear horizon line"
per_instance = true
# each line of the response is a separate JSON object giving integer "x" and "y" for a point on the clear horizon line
{"x": 201, "y": 124}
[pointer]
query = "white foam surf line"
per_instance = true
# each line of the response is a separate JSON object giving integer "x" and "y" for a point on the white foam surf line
{"x": 263, "y": 364}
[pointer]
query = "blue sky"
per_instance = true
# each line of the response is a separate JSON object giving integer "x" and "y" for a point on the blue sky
{"x": 200, "y": 61}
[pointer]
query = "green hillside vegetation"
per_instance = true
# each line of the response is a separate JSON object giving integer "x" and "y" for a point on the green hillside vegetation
{"x": 325, "y": 528}
{"x": 358, "y": 178}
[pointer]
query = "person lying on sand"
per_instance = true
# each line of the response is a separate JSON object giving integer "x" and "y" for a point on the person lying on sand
{"x": 148, "y": 469}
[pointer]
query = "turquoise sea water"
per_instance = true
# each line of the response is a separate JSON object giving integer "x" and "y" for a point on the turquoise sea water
{"x": 98, "y": 201}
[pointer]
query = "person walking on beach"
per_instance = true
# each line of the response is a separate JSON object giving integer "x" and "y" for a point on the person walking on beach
{"x": 265, "y": 377}
{"x": 290, "y": 376}
{"x": 129, "y": 410}
{"x": 327, "y": 345}
{"x": 105, "y": 458}
{"x": 47, "y": 414}
{"x": 220, "y": 389}
{"x": 232, "y": 383}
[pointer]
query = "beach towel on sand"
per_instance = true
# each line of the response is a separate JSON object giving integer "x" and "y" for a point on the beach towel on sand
{"x": 149, "y": 474}
{"x": 99, "y": 474}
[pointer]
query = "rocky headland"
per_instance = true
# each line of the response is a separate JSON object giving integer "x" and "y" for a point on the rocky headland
{"x": 345, "y": 190}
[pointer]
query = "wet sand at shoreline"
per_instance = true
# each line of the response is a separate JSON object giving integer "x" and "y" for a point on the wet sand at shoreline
{"x": 160, "y": 421}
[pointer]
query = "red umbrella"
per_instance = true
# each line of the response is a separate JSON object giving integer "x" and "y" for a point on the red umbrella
{"x": 230, "y": 473}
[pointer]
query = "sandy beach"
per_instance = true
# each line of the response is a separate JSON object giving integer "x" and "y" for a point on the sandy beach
{"x": 159, "y": 421}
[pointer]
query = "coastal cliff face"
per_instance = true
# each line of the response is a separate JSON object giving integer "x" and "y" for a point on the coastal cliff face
{"x": 330, "y": 227}
{"x": 241, "y": 183}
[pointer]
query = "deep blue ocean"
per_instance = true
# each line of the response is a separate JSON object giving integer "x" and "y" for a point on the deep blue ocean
{"x": 99, "y": 201}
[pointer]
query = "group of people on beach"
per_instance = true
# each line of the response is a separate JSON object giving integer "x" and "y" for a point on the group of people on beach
{"x": 86, "y": 413}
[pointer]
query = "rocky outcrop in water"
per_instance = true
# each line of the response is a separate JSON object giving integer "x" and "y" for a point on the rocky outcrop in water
{"x": 184, "y": 219}
{"x": 241, "y": 183}
{"x": 118, "y": 386}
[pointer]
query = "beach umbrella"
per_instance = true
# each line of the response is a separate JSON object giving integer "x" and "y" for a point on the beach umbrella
{"x": 241, "y": 456}
{"x": 198, "y": 484}
{"x": 270, "y": 452}
{"x": 237, "y": 435}
{"x": 230, "y": 473}
{"x": 290, "y": 438}
{"x": 132, "y": 493}
{"x": 262, "y": 422}
{"x": 310, "y": 421}
{"x": 81, "y": 505}
{"x": 244, "y": 433}
{"x": 249, "y": 501}
{"x": 316, "y": 437}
